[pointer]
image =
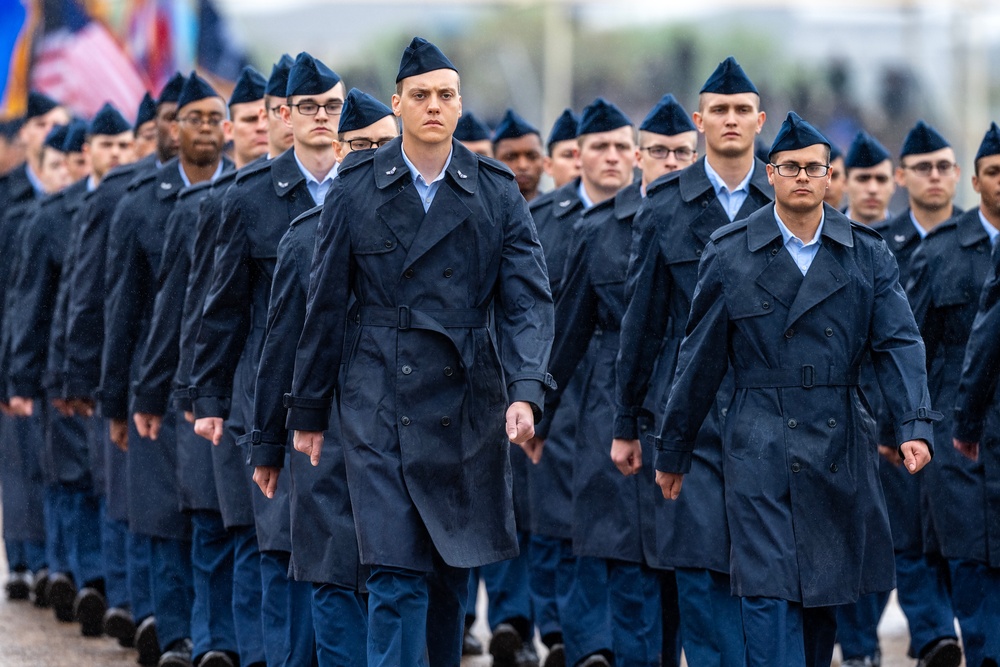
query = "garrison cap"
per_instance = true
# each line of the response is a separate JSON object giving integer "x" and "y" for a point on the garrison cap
{"x": 309, "y": 76}
{"x": 76, "y": 136}
{"x": 668, "y": 118}
{"x": 922, "y": 139}
{"x": 513, "y": 126}
{"x": 172, "y": 89}
{"x": 39, "y": 104}
{"x": 278, "y": 83}
{"x": 601, "y": 116}
{"x": 564, "y": 128}
{"x": 865, "y": 151}
{"x": 57, "y": 137}
{"x": 729, "y": 79}
{"x": 249, "y": 87}
{"x": 9, "y": 128}
{"x": 421, "y": 57}
{"x": 990, "y": 144}
{"x": 108, "y": 121}
{"x": 470, "y": 128}
{"x": 360, "y": 111}
{"x": 794, "y": 134}
{"x": 195, "y": 89}
{"x": 146, "y": 112}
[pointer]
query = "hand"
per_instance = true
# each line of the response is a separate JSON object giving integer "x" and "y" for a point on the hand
{"x": 118, "y": 429}
{"x": 209, "y": 428}
{"x": 62, "y": 406}
{"x": 520, "y": 423}
{"x": 80, "y": 406}
{"x": 969, "y": 450}
{"x": 189, "y": 416}
{"x": 916, "y": 454}
{"x": 5, "y": 409}
{"x": 533, "y": 448}
{"x": 148, "y": 425}
{"x": 309, "y": 443}
{"x": 626, "y": 455}
{"x": 670, "y": 484}
{"x": 266, "y": 478}
{"x": 890, "y": 454}
{"x": 21, "y": 406}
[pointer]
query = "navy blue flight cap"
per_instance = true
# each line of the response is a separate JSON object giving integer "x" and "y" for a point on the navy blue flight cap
{"x": 729, "y": 79}
{"x": 991, "y": 143}
{"x": 195, "y": 89}
{"x": 512, "y": 126}
{"x": 668, "y": 118}
{"x": 172, "y": 89}
{"x": 360, "y": 111}
{"x": 39, "y": 104}
{"x": 421, "y": 57}
{"x": 794, "y": 134}
{"x": 10, "y": 128}
{"x": 108, "y": 121}
{"x": 922, "y": 139}
{"x": 76, "y": 136}
{"x": 146, "y": 112}
{"x": 470, "y": 128}
{"x": 249, "y": 87}
{"x": 601, "y": 116}
{"x": 309, "y": 76}
{"x": 56, "y": 137}
{"x": 278, "y": 83}
{"x": 564, "y": 128}
{"x": 865, "y": 151}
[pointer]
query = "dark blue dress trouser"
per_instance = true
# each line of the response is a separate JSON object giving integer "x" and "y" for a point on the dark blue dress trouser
{"x": 289, "y": 640}
{"x": 975, "y": 597}
{"x": 114, "y": 556}
{"x": 247, "y": 595}
{"x": 779, "y": 632}
{"x": 711, "y": 618}
{"x": 212, "y": 624}
{"x": 173, "y": 594}
{"x": 341, "y": 622}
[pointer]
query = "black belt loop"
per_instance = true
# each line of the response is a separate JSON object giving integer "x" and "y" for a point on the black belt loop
{"x": 403, "y": 323}
{"x": 808, "y": 376}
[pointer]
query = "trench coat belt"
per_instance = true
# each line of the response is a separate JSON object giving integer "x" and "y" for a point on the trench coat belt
{"x": 806, "y": 376}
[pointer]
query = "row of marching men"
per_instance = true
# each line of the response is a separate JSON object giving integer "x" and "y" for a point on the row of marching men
{"x": 146, "y": 289}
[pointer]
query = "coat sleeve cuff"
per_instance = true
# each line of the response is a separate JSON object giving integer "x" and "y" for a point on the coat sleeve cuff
{"x": 114, "y": 403}
{"x": 209, "y": 406}
{"x": 917, "y": 429}
{"x": 265, "y": 449}
{"x": 152, "y": 404}
{"x": 530, "y": 391}
{"x": 626, "y": 427}
{"x": 672, "y": 457}
{"x": 307, "y": 414}
{"x": 966, "y": 427}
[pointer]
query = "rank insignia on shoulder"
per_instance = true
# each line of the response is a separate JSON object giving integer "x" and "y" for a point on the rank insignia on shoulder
{"x": 461, "y": 175}
{"x": 166, "y": 186}
{"x": 564, "y": 204}
{"x": 282, "y": 184}
{"x": 899, "y": 238}
{"x": 391, "y": 172}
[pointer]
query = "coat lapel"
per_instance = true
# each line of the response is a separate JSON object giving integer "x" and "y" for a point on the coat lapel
{"x": 169, "y": 181}
{"x": 780, "y": 277}
{"x": 826, "y": 276}
{"x": 446, "y": 213}
{"x": 397, "y": 214}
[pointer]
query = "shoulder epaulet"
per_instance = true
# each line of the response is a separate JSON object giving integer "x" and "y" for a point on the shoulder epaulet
{"x": 141, "y": 178}
{"x": 662, "y": 182}
{"x": 731, "y": 228}
{"x": 540, "y": 201}
{"x": 225, "y": 178}
{"x": 252, "y": 168}
{"x": 355, "y": 159}
{"x": 496, "y": 166}
{"x": 865, "y": 229}
{"x": 121, "y": 171}
{"x": 196, "y": 187}
{"x": 302, "y": 217}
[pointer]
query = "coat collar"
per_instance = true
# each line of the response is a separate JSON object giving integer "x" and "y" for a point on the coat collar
{"x": 168, "y": 180}
{"x": 566, "y": 200}
{"x": 970, "y": 229}
{"x": 285, "y": 173}
{"x": 628, "y": 200}
{"x": 694, "y": 181}
{"x": 19, "y": 187}
{"x": 762, "y": 228}
{"x": 463, "y": 170}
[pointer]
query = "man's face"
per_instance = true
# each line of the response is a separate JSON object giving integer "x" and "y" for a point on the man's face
{"x": 314, "y": 118}
{"x": 482, "y": 147}
{"x": 835, "y": 193}
{"x": 53, "y": 174}
{"x": 107, "y": 151}
{"x": 429, "y": 106}
{"x": 869, "y": 190}
{"x": 661, "y": 154}
{"x": 563, "y": 162}
{"x": 145, "y": 140}
{"x": 986, "y": 183}
{"x": 377, "y": 134}
{"x": 199, "y": 131}
{"x": 607, "y": 159}
{"x": 930, "y": 179}
{"x": 77, "y": 165}
{"x": 524, "y": 157}
{"x": 34, "y": 131}
{"x": 730, "y": 123}
{"x": 248, "y": 127}
{"x": 279, "y": 133}
{"x": 166, "y": 140}
{"x": 802, "y": 193}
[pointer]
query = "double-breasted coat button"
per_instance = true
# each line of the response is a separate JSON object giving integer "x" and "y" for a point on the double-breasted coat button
{"x": 448, "y": 273}
{"x": 725, "y": 411}
{"x": 789, "y": 333}
{"x": 388, "y": 243}
{"x": 406, "y": 370}
{"x": 766, "y": 305}
{"x": 792, "y": 423}
{"x": 833, "y": 467}
{"x": 405, "y": 421}
{"x": 449, "y": 371}
{"x": 445, "y": 421}
{"x": 408, "y": 273}
{"x": 831, "y": 422}
{"x": 828, "y": 332}
{"x": 774, "y": 251}
{"x": 796, "y": 467}
{"x": 704, "y": 203}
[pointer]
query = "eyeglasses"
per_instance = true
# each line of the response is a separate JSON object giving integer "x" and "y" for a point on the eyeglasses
{"x": 311, "y": 108}
{"x": 662, "y": 152}
{"x": 789, "y": 170}
{"x": 197, "y": 121}
{"x": 944, "y": 167}
{"x": 365, "y": 144}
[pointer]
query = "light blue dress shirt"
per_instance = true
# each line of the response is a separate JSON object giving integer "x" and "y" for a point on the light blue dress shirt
{"x": 424, "y": 189}
{"x": 581, "y": 192}
{"x": 802, "y": 254}
{"x": 991, "y": 231}
{"x": 920, "y": 230}
{"x": 187, "y": 181}
{"x": 317, "y": 189}
{"x": 731, "y": 200}
{"x": 36, "y": 183}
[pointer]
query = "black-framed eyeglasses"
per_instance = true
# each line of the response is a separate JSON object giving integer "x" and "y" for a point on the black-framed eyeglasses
{"x": 789, "y": 170}
{"x": 662, "y": 152}
{"x": 365, "y": 144}
{"x": 944, "y": 167}
{"x": 197, "y": 121}
{"x": 312, "y": 108}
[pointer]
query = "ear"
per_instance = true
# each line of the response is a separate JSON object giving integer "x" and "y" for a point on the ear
{"x": 761, "y": 117}
{"x": 699, "y": 121}
{"x": 396, "y": 100}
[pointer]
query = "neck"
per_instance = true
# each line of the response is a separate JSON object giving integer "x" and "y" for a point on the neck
{"x": 197, "y": 173}
{"x": 992, "y": 217}
{"x": 596, "y": 193}
{"x": 802, "y": 224}
{"x": 732, "y": 169}
{"x": 528, "y": 196}
{"x": 35, "y": 162}
{"x": 429, "y": 159}
{"x": 317, "y": 161}
{"x": 929, "y": 218}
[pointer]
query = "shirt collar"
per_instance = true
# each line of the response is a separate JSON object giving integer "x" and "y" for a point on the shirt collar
{"x": 187, "y": 181}
{"x": 720, "y": 185}
{"x": 991, "y": 231}
{"x": 91, "y": 183}
{"x": 36, "y": 183}
{"x": 787, "y": 236}
{"x": 920, "y": 230}
{"x": 417, "y": 176}
{"x": 308, "y": 175}
{"x": 581, "y": 192}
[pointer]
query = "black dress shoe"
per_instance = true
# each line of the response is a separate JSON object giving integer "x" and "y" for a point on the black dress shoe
{"x": 216, "y": 659}
{"x": 39, "y": 587}
{"x": 178, "y": 654}
{"x": 504, "y": 645}
{"x": 88, "y": 609}
{"x": 526, "y": 656}
{"x": 118, "y": 623}
{"x": 470, "y": 643}
{"x": 61, "y": 593}
{"x": 945, "y": 652}
{"x": 146, "y": 642}
{"x": 556, "y": 656}
{"x": 19, "y": 585}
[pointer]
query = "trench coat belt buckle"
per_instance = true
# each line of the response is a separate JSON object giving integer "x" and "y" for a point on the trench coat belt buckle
{"x": 806, "y": 377}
